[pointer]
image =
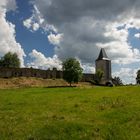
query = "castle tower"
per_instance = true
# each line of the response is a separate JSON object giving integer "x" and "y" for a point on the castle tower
{"x": 104, "y": 63}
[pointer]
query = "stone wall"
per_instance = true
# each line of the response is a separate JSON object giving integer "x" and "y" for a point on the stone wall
{"x": 87, "y": 77}
{"x": 31, "y": 72}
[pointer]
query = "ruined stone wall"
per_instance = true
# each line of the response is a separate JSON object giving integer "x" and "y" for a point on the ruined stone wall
{"x": 87, "y": 77}
{"x": 31, "y": 72}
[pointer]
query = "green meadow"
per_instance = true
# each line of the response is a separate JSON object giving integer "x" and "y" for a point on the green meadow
{"x": 98, "y": 113}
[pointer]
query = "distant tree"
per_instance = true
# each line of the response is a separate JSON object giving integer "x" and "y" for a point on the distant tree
{"x": 138, "y": 77}
{"x": 72, "y": 71}
{"x": 98, "y": 76}
{"x": 117, "y": 81}
{"x": 10, "y": 60}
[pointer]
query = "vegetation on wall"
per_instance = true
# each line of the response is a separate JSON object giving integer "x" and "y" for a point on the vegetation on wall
{"x": 98, "y": 76}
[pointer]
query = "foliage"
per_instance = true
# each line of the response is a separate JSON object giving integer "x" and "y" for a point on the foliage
{"x": 98, "y": 76}
{"x": 138, "y": 77}
{"x": 117, "y": 81}
{"x": 72, "y": 71}
{"x": 70, "y": 113}
{"x": 10, "y": 60}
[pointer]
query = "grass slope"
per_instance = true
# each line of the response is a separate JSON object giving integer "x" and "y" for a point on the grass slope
{"x": 97, "y": 113}
{"x": 20, "y": 82}
{"x": 24, "y": 82}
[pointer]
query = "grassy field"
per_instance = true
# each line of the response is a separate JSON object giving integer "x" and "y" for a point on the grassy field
{"x": 97, "y": 113}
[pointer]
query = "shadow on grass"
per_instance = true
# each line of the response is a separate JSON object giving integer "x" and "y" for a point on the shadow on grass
{"x": 60, "y": 86}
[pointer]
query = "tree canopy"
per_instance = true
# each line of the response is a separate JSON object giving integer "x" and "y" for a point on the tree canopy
{"x": 138, "y": 77}
{"x": 117, "y": 81}
{"x": 10, "y": 60}
{"x": 72, "y": 71}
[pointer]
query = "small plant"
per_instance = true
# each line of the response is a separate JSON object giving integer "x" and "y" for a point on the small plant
{"x": 98, "y": 76}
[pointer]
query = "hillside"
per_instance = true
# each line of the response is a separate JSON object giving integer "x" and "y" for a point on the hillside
{"x": 98, "y": 113}
{"x": 35, "y": 82}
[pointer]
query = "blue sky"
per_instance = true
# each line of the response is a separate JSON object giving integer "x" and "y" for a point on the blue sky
{"x": 29, "y": 40}
{"x": 45, "y": 32}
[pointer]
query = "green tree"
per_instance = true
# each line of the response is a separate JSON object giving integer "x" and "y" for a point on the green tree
{"x": 98, "y": 76}
{"x": 10, "y": 60}
{"x": 138, "y": 77}
{"x": 117, "y": 81}
{"x": 72, "y": 71}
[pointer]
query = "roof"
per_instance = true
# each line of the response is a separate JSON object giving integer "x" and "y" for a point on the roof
{"x": 102, "y": 55}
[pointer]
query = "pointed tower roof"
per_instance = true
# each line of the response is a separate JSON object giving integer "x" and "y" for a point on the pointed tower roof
{"x": 102, "y": 55}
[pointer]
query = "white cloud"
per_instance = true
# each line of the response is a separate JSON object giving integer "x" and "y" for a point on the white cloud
{"x": 35, "y": 26}
{"x": 89, "y": 25}
{"x": 38, "y": 60}
{"x": 137, "y": 35}
{"x": 27, "y": 23}
{"x": 127, "y": 74}
{"x": 88, "y": 68}
{"x": 84, "y": 33}
{"x": 132, "y": 22}
{"x": 119, "y": 49}
{"x": 31, "y": 24}
{"x": 55, "y": 39}
{"x": 36, "y": 21}
{"x": 7, "y": 32}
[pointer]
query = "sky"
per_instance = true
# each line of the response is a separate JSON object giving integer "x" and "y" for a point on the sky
{"x": 45, "y": 32}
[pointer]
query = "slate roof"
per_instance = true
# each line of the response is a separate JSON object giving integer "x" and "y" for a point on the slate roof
{"x": 102, "y": 55}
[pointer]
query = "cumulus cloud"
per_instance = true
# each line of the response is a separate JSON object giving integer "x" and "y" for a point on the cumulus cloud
{"x": 27, "y": 23}
{"x": 7, "y": 31}
{"x": 137, "y": 35}
{"x": 33, "y": 23}
{"x": 127, "y": 74}
{"x": 38, "y": 60}
{"x": 89, "y": 25}
{"x": 88, "y": 68}
{"x": 36, "y": 21}
{"x": 58, "y": 11}
{"x": 55, "y": 39}
{"x": 119, "y": 49}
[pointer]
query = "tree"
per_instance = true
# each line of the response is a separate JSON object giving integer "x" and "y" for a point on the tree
{"x": 138, "y": 77}
{"x": 72, "y": 71}
{"x": 117, "y": 81}
{"x": 98, "y": 76}
{"x": 10, "y": 60}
